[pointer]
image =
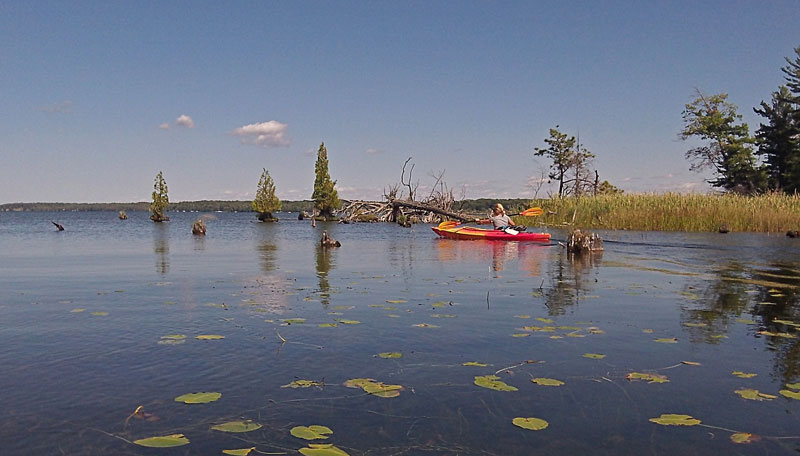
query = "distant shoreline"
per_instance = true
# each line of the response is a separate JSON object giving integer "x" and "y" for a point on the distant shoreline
{"x": 473, "y": 205}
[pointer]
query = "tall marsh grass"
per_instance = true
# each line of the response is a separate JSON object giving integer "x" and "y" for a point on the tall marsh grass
{"x": 773, "y": 213}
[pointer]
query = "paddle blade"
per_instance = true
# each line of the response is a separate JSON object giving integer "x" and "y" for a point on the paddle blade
{"x": 447, "y": 224}
{"x": 532, "y": 212}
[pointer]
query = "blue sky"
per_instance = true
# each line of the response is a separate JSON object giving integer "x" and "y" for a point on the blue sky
{"x": 97, "y": 97}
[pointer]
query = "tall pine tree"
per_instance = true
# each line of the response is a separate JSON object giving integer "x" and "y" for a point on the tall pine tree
{"x": 326, "y": 199}
{"x": 266, "y": 202}
{"x": 160, "y": 199}
{"x": 779, "y": 141}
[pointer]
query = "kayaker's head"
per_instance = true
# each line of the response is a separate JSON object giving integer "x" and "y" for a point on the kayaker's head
{"x": 498, "y": 209}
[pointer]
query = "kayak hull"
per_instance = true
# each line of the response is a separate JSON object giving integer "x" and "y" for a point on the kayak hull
{"x": 474, "y": 233}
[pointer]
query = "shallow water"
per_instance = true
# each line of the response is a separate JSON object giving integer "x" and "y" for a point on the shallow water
{"x": 83, "y": 314}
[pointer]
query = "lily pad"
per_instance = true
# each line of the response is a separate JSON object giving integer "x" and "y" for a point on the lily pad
{"x": 396, "y": 301}
{"x": 302, "y": 384}
{"x": 741, "y": 374}
{"x": 667, "y": 340}
{"x": 165, "y": 441}
{"x": 649, "y": 378}
{"x": 493, "y": 382}
{"x": 520, "y": 335}
{"x": 690, "y": 363}
{"x": 198, "y": 398}
{"x": 375, "y": 388}
{"x": 390, "y": 355}
{"x": 670, "y": 419}
{"x": 328, "y": 325}
{"x": 593, "y": 355}
{"x": 473, "y": 363}
{"x": 313, "y": 432}
{"x": 241, "y": 452}
{"x": 790, "y": 394}
{"x": 534, "y": 424}
{"x": 237, "y": 426}
{"x": 754, "y": 395}
{"x": 794, "y": 386}
{"x": 100, "y": 314}
{"x": 349, "y": 322}
{"x": 547, "y": 381}
{"x": 317, "y": 449}
{"x": 209, "y": 337}
{"x": 294, "y": 321}
{"x": 744, "y": 437}
{"x": 424, "y": 325}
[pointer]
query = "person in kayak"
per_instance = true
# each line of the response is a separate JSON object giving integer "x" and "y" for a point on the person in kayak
{"x": 499, "y": 219}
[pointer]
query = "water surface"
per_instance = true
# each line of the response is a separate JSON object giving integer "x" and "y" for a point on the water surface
{"x": 83, "y": 314}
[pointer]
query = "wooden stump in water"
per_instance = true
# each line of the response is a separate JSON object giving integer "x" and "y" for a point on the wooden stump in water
{"x": 578, "y": 242}
{"x": 199, "y": 228}
{"x": 328, "y": 241}
{"x": 793, "y": 234}
{"x": 123, "y": 215}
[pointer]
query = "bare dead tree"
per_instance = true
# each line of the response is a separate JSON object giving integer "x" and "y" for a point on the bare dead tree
{"x": 412, "y": 188}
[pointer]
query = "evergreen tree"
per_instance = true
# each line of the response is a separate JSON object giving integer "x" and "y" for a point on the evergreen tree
{"x": 160, "y": 199}
{"x": 325, "y": 197}
{"x": 728, "y": 150}
{"x": 266, "y": 202}
{"x": 779, "y": 141}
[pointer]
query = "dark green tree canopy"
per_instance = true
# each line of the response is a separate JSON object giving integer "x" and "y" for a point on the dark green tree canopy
{"x": 326, "y": 199}
{"x": 570, "y": 164}
{"x": 779, "y": 141}
{"x": 727, "y": 148}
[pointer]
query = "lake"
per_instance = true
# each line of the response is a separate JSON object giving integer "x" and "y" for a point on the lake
{"x": 104, "y": 324}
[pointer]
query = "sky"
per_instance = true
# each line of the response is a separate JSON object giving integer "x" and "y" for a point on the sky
{"x": 97, "y": 97}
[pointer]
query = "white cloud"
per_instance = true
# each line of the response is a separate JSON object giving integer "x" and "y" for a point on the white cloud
{"x": 184, "y": 121}
{"x": 264, "y": 134}
{"x": 164, "y": 126}
{"x": 62, "y": 107}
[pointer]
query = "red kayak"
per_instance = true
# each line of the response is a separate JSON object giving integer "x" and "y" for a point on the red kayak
{"x": 453, "y": 231}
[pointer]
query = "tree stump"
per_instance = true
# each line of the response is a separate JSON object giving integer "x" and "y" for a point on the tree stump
{"x": 199, "y": 228}
{"x": 578, "y": 242}
{"x": 328, "y": 241}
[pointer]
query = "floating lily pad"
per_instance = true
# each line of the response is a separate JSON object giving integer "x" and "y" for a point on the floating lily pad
{"x": 375, "y": 388}
{"x": 390, "y": 355}
{"x": 328, "y": 325}
{"x": 313, "y": 432}
{"x": 396, "y": 301}
{"x": 744, "y": 437}
{"x": 493, "y": 382}
{"x": 174, "y": 336}
{"x": 473, "y": 363}
{"x": 596, "y": 331}
{"x": 440, "y": 304}
{"x": 520, "y": 335}
{"x": 754, "y": 395}
{"x": 424, "y": 325}
{"x": 209, "y": 337}
{"x": 544, "y": 320}
{"x": 294, "y": 321}
{"x": 237, "y": 426}
{"x": 667, "y": 340}
{"x": 165, "y": 441}
{"x": 594, "y": 355}
{"x": 794, "y": 386}
{"x": 670, "y": 419}
{"x": 534, "y": 424}
{"x": 77, "y": 310}
{"x": 648, "y": 331}
{"x": 790, "y": 394}
{"x": 442, "y": 316}
{"x": 241, "y": 452}
{"x": 100, "y": 314}
{"x": 695, "y": 325}
{"x": 690, "y": 363}
{"x": 198, "y": 398}
{"x": 547, "y": 381}
{"x": 780, "y": 334}
{"x": 741, "y": 374}
{"x": 302, "y": 384}
{"x": 522, "y": 316}
{"x": 317, "y": 449}
{"x": 349, "y": 322}
{"x": 649, "y": 378}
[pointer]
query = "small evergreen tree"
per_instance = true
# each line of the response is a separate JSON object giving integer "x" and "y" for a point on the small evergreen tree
{"x": 160, "y": 199}
{"x": 266, "y": 202}
{"x": 561, "y": 150}
{"x": 326, "y": 199}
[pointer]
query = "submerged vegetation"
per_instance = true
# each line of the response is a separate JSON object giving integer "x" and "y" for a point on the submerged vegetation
{"x": 769, "y": 213}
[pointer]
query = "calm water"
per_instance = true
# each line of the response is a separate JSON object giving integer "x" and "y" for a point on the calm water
{"x": 83, "y": 314}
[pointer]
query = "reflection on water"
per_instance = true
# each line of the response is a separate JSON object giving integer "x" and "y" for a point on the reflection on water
{"x": 161, "y": 247}
{"x": 325, "y": 260}
{"x": 569, "y": 280}
{"x": 267, "y": 256}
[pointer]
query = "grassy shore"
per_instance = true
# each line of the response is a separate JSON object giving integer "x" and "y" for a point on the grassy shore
{"x": 772, "y": 213}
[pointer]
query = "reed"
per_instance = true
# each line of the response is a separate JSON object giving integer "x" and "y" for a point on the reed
{"x": 770, "y": 213}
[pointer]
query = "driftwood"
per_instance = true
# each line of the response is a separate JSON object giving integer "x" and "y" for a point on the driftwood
{"x": 328, "y": 241}
{"x": 199, "y": 228}
{"x": 59, "y": 226}
{"x": 400, "y": 211}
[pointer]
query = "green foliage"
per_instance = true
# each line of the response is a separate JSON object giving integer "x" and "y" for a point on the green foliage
{"x": 561, "y": 151}
{"x": 326, "y": 199}
{"x": 266, "y": 202}
{"x": 728, "y": 148}
{"x": 779, "y": 141}
{"x": 606, "y": 188}
{"x": 166, "y": 441}
{"x": 771, "y": 212}
{"x": 160, "y": 199}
